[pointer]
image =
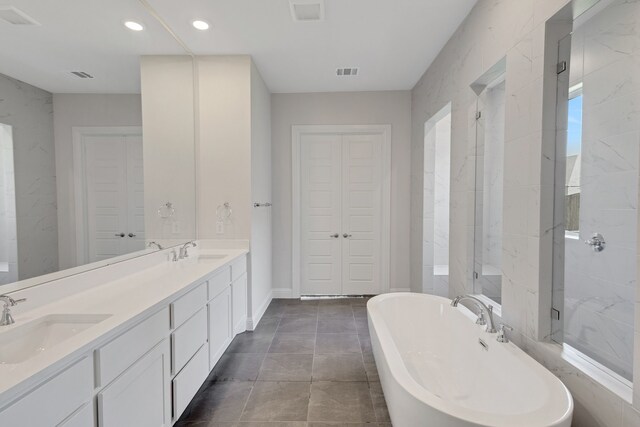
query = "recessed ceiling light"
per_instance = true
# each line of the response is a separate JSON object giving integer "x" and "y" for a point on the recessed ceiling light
{"x": 200, "y": 25}
{"x": 133, "y": 26}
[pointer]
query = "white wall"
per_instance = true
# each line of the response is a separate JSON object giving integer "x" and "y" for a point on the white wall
{"x": 517, "y": 29}
{"x": 168, "y": 134}
{"x": 392, "y": 108}
{"x": 29, "y": 111}
{"x": 260, "y": 193}
{"x": 224, "y": 148}
{"x": 72, "y": 110}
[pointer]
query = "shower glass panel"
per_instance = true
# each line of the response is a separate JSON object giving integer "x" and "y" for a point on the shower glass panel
{"x": 490, "y": 138}
{"x": 595, "y": 254}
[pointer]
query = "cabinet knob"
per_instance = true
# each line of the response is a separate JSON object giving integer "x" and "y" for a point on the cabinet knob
{"x": 335, "y": 236}
{"x": 119, "y": 234}
{"x": 346, "y": 236}
{"x": 132, "y": 235}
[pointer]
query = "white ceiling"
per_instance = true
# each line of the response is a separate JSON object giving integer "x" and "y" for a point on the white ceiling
{"x": 391, "y": 41}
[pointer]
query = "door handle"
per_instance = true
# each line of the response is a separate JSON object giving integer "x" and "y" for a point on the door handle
{"x": 345, "y": 235}
{"x": 596, "y": 242}
{"x": 132, "y": 235}
{"x": 335, "y": 236}
{"x": 119, "y": 234}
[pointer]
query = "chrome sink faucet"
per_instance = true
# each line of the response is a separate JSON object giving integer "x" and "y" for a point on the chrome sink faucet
{"x": 486, "y": 312}
{"x": 184, "y": 249}
{"x": 6, "y": 318}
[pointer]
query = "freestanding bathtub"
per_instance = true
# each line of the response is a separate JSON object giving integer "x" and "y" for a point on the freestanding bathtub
{"x": 435, "y": 372}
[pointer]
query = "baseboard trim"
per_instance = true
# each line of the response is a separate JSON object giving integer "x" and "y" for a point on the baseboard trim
{"x": 282, "y": 293}
{"x": 255, "y": 318}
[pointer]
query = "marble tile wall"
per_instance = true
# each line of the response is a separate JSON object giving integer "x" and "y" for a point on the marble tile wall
{"x": 435, "y": 239}
{"x": 519, "y": 30}
{"x": 29, "y": 111}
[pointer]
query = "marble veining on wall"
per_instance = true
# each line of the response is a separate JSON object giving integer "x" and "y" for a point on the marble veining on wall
{"x": 517, "y": 29}
{"x": 600, "y": 287}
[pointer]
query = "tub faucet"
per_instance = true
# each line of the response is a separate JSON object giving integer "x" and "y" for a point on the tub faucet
{"x": 486, "y": 312}
{"x": 156, "y": 244}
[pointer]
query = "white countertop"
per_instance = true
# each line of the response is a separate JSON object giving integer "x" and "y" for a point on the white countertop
{"x": 127, "y": 300}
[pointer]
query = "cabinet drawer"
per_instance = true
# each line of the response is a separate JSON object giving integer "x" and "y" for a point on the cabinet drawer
{"x": 82, "y": 418}
{"x": 219, "y": 282}
{"x": 189, "y": 380}
{"x": 238, "y": 268}
{"x": 184, "y": 307}
{"x": 113, "y": 358}
{"x": 187, "y": 339}
{"x": 55, "y": 400}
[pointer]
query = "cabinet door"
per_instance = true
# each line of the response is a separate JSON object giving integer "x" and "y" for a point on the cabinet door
{"x": 220, "y": 328}
{"x": 239, "y": 299}
{"x": 140, "y": 397}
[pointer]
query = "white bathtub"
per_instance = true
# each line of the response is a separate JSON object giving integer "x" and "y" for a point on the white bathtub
{"x": 434, "y": 371}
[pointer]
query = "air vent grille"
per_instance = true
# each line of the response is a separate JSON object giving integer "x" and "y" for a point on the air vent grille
{"x": 307, "y": 10}
{"x": 347, "y": 72}
{"x": 82, "y": 74}
{"x": 15, "y": 16}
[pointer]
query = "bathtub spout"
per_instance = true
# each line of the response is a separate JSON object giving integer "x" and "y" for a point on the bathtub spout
{"x": 486, "y": 312}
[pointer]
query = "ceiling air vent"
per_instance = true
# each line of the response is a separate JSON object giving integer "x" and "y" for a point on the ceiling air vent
{"x": 15, "y": 16}
{"x": 82, "y": 74}
{"x": 345, "y": 72}
{"x": 307, "y": 10}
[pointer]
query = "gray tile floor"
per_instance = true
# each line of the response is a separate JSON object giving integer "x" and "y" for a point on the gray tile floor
{"x": 307, "y": 364}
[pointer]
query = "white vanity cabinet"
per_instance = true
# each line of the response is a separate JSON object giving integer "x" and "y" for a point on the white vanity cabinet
{"x": 220, "y": 314}
{"x": 140, "y": 396}
{"x": 56, "y": 400}
{"x": 239, "y": 295}
{"x": 147, "y": 373}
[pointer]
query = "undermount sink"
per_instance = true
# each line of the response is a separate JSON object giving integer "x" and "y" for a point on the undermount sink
{"x": 24, "y": 342}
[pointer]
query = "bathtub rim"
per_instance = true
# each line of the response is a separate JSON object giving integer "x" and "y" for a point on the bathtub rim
{"x": 404, "y": 379}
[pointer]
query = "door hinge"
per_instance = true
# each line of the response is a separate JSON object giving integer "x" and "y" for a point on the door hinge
{"x": 478, "y": 115}
{"x": 476, "y": 275}
{"x": 562, "y": 67}
{"x": 555, "y": 314}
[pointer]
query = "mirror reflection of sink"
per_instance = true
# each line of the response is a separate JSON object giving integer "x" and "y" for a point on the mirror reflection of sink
{"x": 26, "y": 341}
{"x": 210, "y": 257}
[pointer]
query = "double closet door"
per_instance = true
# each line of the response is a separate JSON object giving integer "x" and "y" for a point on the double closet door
{"x": 341, "y": 183}
{"x": 114, "y": 195}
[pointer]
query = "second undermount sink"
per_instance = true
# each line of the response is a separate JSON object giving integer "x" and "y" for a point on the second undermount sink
{"x": 210, "y": 257}
{"x": 24, "y": 342}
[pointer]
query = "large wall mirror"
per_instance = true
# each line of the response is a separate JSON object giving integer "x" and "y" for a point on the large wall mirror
{"x": 82, "y": 182}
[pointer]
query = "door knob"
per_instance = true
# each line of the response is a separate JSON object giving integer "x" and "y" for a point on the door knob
{"x": 119, "y": 234}
{"x": 132, "y": 235}
{"x": 596, "y": 242}
{"x": 345, "y": 235}
{"x": 335, "y": 236}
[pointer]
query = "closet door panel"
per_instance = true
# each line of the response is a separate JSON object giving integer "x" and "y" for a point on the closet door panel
{"x": 321, "y": 251}
{"x": 135, "y": 194}
{"x": 361, "y": 213}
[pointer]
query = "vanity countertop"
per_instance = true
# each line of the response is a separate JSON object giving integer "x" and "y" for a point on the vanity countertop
{"x": 126, "y": 300}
